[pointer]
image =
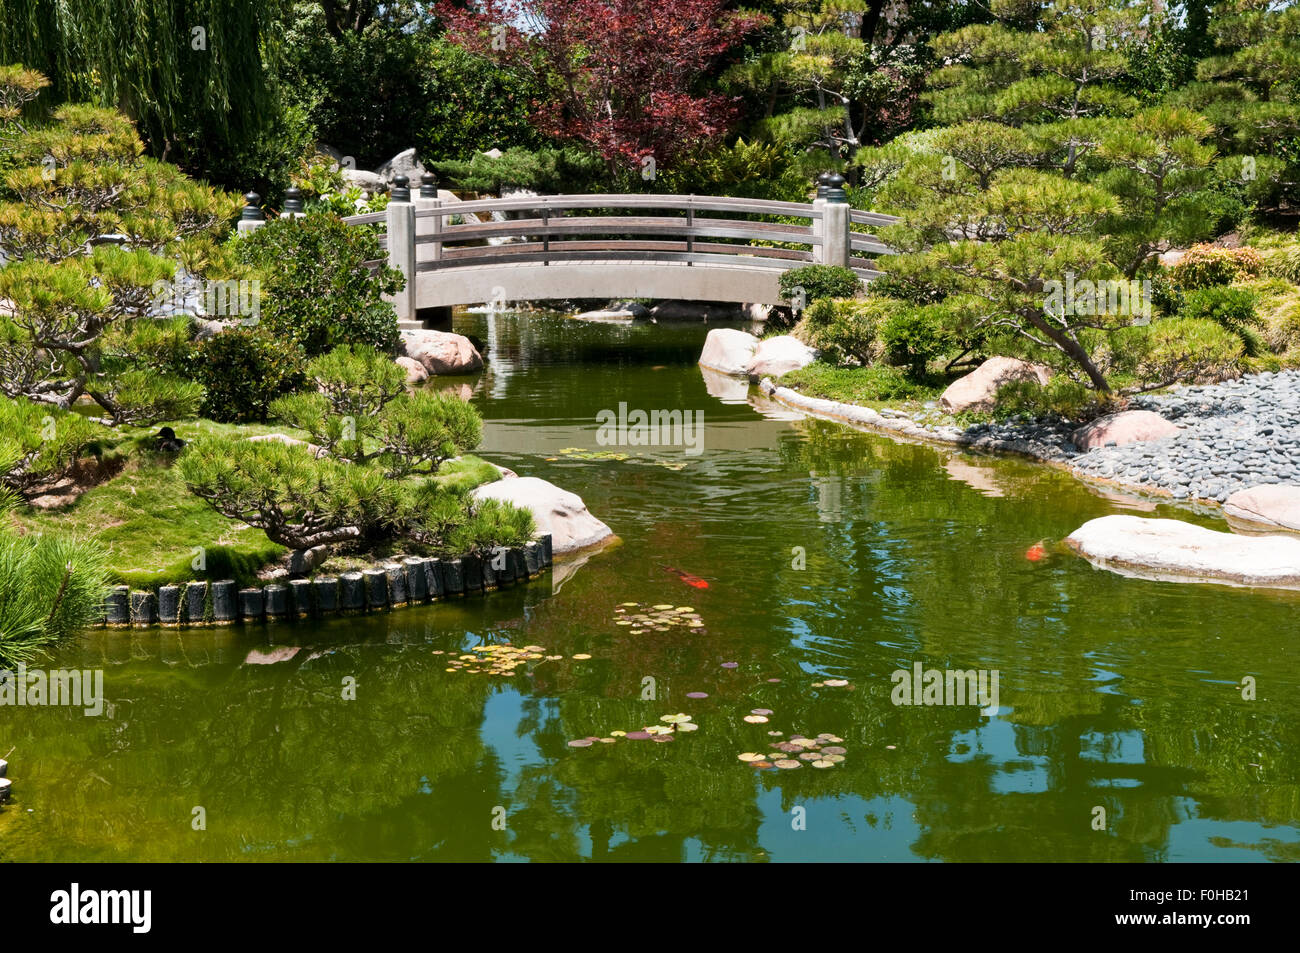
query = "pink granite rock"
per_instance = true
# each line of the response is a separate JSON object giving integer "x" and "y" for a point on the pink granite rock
{"x": 1271, "y": 506}
{"x": 415, "y": 371}
{"x": 977, "y": 389}
{"x": 1129, "y": 426}
{"x": 441, "y": 352}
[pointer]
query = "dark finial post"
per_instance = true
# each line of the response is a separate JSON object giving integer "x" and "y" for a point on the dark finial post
{"x": 401, "y": 189}
{"x": 428, "y": 186}
{"x": 252, "y": 208}
{"x": 822, "y": 181}
{"x": 252, "y": 217}
{"x": 293, "y": 204}
{"x": 835, "y": 189}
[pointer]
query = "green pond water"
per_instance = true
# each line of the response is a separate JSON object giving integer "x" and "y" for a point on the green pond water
{"x": 1113, "y": 692}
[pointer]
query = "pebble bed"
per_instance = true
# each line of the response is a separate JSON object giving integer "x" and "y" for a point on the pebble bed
{"x": 1233, "y": 435}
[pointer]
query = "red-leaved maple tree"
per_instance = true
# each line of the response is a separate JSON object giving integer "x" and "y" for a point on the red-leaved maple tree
{"x": 619, "y": 76}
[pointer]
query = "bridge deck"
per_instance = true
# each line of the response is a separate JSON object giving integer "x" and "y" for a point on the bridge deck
{"x": 673, "y": 253}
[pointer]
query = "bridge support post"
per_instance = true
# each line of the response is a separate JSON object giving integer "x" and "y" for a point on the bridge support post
{"x": 401, "y": 248}
{"x": 836, "y": 243}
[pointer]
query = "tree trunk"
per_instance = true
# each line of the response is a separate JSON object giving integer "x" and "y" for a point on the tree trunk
{"x": 1072, "y": 349}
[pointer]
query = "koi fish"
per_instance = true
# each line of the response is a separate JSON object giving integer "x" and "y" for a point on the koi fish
{"x": 1035, "y": 552}
{"x": 687, "y": 578}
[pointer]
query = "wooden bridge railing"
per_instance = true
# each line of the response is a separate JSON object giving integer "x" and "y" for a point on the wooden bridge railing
{"x": 677, "y": 229}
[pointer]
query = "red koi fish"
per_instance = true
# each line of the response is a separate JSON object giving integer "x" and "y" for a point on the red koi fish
{"x": 1035, "y": 552}
{"x": 687, "y": 578}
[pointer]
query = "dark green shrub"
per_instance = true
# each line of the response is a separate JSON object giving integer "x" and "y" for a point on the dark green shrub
{"x": 242, "y": 370}
{"x": 1170, "y": 350}
{"x": 814, "y": 282}
{"x": 913, "y": 337}
{"x": 1060, "y": 397}
{"x": 317, "y": 292}
{"x": 1233, "y": 309}
{"x": 844, "y": 331}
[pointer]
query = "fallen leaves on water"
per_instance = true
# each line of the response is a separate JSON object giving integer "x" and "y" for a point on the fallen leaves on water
{"x": 501, "y": 660}
{"x": 662, "y": 617}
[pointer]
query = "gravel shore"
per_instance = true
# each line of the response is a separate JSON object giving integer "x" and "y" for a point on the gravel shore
{"x": 1232, "y": 435}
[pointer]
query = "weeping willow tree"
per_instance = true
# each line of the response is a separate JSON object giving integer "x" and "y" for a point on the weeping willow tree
{"x": 196, "y": 76}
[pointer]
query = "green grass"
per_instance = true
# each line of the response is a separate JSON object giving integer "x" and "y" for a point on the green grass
{"x": 151, "y": 525}
{"x": 876, "y": 386}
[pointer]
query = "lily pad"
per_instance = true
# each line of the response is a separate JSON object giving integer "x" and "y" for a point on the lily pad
{"x": 580, "y": 743}
{"x": 756, "y": 719}
{"x": 697, "y": 694}
{"x": 822, "y": 763}
{"x": 787, "y": 764}
{"x": 750, "y": 756}
{"x": 731, "y": 665}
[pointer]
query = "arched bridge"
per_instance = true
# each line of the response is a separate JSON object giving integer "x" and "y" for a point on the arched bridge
{"x": 691, "y": 247}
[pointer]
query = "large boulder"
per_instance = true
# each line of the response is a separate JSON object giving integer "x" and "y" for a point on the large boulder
{"x": 1268, "y": 507}
{"x": 404, "y": 163}
{"x": 415, "y": 371}
{"x": 1129, "y": 426}
{"x": 729, "y": 351}
{"x": 775, "y": 356}
{"x": 1184, "y": 552}
{"x": 366, "y": 181}
{"x": 442, "y": 352}
{"x": 556, "y": 511}
{"x": 977, "y": 390}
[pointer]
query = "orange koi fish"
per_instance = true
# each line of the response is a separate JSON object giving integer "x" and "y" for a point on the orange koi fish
{"x": 687, "y": 578}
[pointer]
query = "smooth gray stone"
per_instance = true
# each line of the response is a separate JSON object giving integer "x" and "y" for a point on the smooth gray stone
{"x": 453, "y": 577}
{"x": 472, "y": 569}
{"x": 397, "y": 594}
{"x": 144, "y": 608}
{"x": 354, "y": 591}
{"x": 376, "y": 588}
{"x": 433, "y": 576}
{"x": 250, "y": 604}
{"x": 117, "y": 606}
{"x": 224, "y": 606}
{"x": 169, "y": 605}
{"x": 416, "y": 580}
{"x": 326, "y": 590}
{"x": 276, "y": 600}
{"x": 519, "y": 562}
{"x": 196, "y": 597}
{"x": 300, "y": 597}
